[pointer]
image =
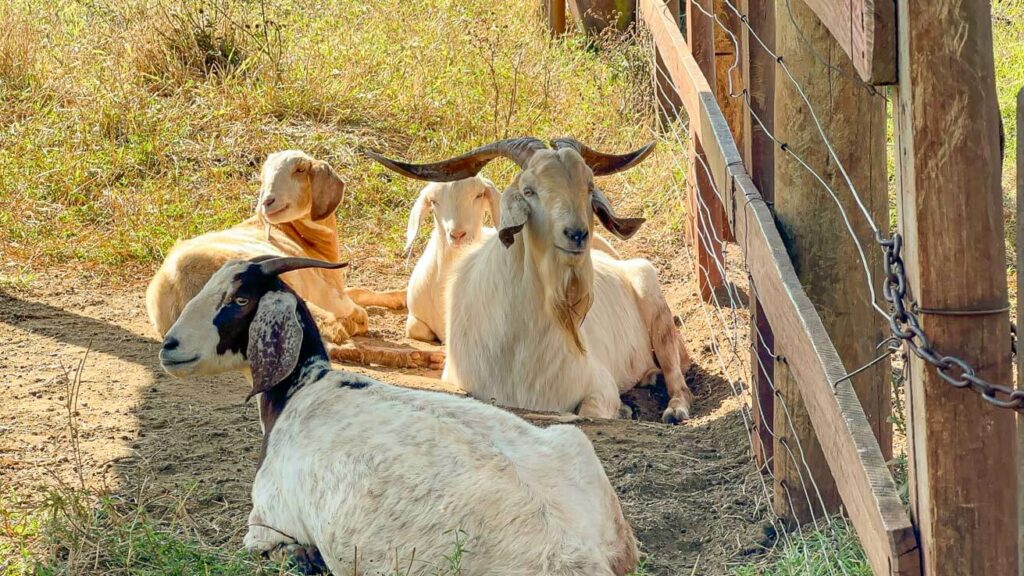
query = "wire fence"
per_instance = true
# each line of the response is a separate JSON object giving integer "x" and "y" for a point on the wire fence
{"x": 726, "y": 315}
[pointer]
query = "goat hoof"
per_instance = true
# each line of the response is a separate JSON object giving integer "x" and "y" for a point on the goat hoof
{"x": 306, "y": 560}
{"x": 432, "y": 360}
{"x": 675, "y": 414}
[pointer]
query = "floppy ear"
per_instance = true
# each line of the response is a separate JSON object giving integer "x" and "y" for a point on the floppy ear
{"x": 493, "y": 199}
{"x": 621, "y": 227}
{"x": 419, "y": 212}
{"x": 275, "y": 338}
{"x": 327, "y": 188}
{"x": 515, "y": 211}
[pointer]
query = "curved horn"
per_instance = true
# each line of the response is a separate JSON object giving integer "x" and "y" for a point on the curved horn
{"x": 603, "y": 164}
{"x": 519, "y": 150}
{"x": 276, "y": 266}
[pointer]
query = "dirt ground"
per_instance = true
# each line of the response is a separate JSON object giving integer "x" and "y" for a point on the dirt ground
{"x": 690, "y": 491}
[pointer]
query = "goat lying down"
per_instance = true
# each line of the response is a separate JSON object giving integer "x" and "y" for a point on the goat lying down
{"x": 458, "y": 209}
{"x": 542, "y": 321}
{"x": 351, "y": 465}
{"x": 295, "y": 218}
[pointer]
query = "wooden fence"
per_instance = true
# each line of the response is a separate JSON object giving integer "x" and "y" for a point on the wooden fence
{"x": 787, "y": 138}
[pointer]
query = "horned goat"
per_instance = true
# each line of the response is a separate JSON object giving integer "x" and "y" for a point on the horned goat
{"x": 352, "y": 466}
{"x": 295, "y": 217}
{"x": 545, "y": 323}
{"x": 458, "y": 209}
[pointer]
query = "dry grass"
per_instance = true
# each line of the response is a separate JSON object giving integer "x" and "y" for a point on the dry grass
{"x": 134, "y": 124}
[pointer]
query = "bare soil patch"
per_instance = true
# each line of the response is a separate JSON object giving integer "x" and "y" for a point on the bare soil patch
{"x": 690, "y": 491}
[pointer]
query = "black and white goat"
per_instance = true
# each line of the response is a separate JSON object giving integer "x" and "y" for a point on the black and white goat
{"x": 353, "y": 466}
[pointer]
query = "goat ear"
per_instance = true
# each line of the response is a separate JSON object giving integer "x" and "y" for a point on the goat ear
{"x": 515, "y": 211}
{"x": 493, "y": 199}
{"x": 419, "y": 212}
{"x": 275, "y": 338}
{"x": 327, "y": 188}
{"x": 621, "y": 227}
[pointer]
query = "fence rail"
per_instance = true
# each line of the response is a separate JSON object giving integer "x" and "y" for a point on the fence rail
{"x": 864, "y": 481}
{"x": 745, "y": 75}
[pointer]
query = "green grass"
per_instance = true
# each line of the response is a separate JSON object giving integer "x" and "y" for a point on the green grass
{"x": 812, "y": 552}
{"x": 124, "y": 126}
{"x": 78, "y": 532}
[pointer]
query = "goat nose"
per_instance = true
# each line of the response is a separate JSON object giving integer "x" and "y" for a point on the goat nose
{"x": 170, "y": 343}
{"x": 269, "y": 201}
{"x": 457, "y": 234}
{"x": 576, "y": 235}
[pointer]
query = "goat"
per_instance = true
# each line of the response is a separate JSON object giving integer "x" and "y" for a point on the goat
{"x": 295, "y": 217}
{"x": 458, "y": 209}
{"x": 545, "y": 323}
{"x": 353, "y": 466}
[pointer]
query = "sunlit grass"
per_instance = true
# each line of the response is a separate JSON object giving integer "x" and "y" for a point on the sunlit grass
{"x": 125, "y": 126}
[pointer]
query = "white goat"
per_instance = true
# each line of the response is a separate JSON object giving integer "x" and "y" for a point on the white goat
{"x": 546, "y": 323}
{"x": 355, "y": 466}
{"x": 458, "y": 209}
{"x": 295, "y": 217}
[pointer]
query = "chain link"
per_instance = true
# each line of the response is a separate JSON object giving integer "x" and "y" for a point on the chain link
{"x": 906, "y": 326}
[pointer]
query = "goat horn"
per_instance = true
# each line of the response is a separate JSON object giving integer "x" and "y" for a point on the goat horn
{"x": 519, "y": 150}
{"x": 603, "y": 164}
{"x": 276, "y": 266}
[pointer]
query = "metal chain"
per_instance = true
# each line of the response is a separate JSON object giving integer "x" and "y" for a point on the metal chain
{"x": 905, "y": 325}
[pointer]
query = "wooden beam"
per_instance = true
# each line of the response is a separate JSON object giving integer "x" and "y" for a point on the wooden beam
{"x": 556, "y": 17}
{"x": 759, "y": 158}
{"x": 866, "y": 31}
{"x": 864, "y": 482}
{"x": 823, "y": 252}
{"x": 1020, "y": 322}
{"x": 729, "y": 74}
{"x": 962, "y": 468}
{"x": 705, "y": 214}
{"x": 670, "y": 103}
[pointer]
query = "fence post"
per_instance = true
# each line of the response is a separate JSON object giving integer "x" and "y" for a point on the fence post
{"x": 963, "y": 467}
{"x": 555, "y": 10}
{"x": 729, "y": 76}
{"x": 669, "y": 103}
{"x": 824, "y": 253}
{"x": 758, "y": 155}
{"x": 705, "y": 215}
{"x": 1020, "y": 322}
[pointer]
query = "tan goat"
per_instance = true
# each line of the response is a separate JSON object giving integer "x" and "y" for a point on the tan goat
{"x": 295, "y": 217}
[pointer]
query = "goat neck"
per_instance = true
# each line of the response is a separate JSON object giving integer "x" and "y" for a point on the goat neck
{"x": 318, "y": 238}
{"x": 313, "y": 364}
{"x": 566, "y": 286}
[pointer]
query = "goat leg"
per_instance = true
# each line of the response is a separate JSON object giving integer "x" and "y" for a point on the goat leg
{"x": 392, "y": 299}
{"x": 366, "y": 354}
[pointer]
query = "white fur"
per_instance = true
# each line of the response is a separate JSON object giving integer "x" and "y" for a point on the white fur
{"x": 507, "y": 307}
{"x": 458, "y": 211}
{"x": 385, "y": 471}
{"x": 457, "y": 207}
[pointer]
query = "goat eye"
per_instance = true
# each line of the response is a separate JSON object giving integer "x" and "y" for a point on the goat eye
{"x": 241, "y": 301}
{"x": 433, "y": 202}
{"x": 529, "y": 192}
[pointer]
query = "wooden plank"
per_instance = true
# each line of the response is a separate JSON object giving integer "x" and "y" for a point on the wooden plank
{"x": 707, "y": 218}
{"x": 556, "y": 17}
{"x": 823, "y": 251}
{"x": 950, "y": 204}
{"x": 867, "y": 488}
{"x": 1020, "y": 319}
{"x": 729, "y": 74}
{"x": 670, "y": 103}
{"x": 759, "y": 158}
{"x": 865, "y": 484}
{"x": 866, "y": 31}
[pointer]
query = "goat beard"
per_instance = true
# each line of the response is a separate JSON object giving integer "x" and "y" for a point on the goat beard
{"x": 570, "y": 300}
